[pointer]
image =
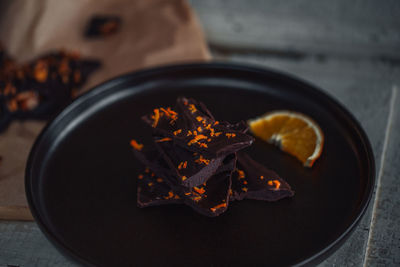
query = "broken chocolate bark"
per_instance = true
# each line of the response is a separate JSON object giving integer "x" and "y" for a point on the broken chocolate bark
{"x": 251, "y": 180}
{"x": 210, "y": 198}
{"x": 152, "y": 190}
{"x": 193, "y": 128}
{"x": 190, "y": 168}
{"x": 198, "y": 162}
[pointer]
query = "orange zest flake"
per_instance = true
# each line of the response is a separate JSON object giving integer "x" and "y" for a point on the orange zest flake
{"x": 212, "y": 132}
{"x": 184, "y": 178}
{"x": 216, "y": 122}
{"x": 218, "y": 133}
{"x": 199, "y": 190}
{"x": 150, "y": 184}
{"x": 173, "y": 113}
{"x": 199, "y": 118}
{"x": 41, "y": 71}
{"x": 194, "y": 133}
{"x": 214, "y": 209}
{"x": 183, "y": 165}
{"x": 160, "y": 180}
{"x": 276, "y": 183}
{"x": 170, "y": 195}
{"x": 230, "y": 135}
{"x": 188, "y": 193}
{"x": 140, "y": 176}
{"x": 262, "y": 178}
{"x": 185, "y": 102}
{"x": 196, "y": 139}
{"x": 189, "y": 133}
{"x": 155, "y": 117}
{"x": 199, "y": 129}
{"x": 192, "y": 108}
{"x": 244, "y": 189}
{"x": 203, "y": 145}
{"x": 201, "y": 159}
{"x": 196, "y": 198}
{"x": 208, "y": 127}
{"x": 241, "y": 174}
{"x": 180, "y": 166}
{"x": 177, "y": 132}
{"x": 176, "y": 197}
{"x": 136, "y": 145}
{"x": 244, "y": 182}
{"x": 164, "y": 139}
{"x": 170, "y": 113}
{"x": 209, "y": 140}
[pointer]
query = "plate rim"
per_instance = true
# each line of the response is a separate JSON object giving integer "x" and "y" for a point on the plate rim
{"x": 280, "y": 75}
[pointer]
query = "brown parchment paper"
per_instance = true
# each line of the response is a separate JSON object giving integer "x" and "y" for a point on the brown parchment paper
{"x": 153, "y": 32}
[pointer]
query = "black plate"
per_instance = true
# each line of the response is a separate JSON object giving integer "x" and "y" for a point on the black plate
{"x": 81, "y": 175}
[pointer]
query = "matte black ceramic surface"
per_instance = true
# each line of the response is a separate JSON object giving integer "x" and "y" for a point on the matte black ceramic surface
{"x": 81, "y": 175}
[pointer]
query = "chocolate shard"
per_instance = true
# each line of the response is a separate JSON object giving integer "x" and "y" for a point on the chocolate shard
{"x": 212, "y": 198}
{"x": 251, "y": 180}
{"x": 222, "y": 138}
{"x": 154, "y": 161}
{"x": 193, "y": 128}
{"x": 166, "y": 124}
{"x": 152, "y": 190}
{"x": 191, "y": 169}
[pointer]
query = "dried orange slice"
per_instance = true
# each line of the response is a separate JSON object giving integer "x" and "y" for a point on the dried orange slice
{"x": 293, "y": 132}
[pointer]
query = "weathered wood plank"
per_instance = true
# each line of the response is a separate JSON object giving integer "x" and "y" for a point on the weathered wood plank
{"x": 356, "y": 28}
{"x": 384, "y": 242}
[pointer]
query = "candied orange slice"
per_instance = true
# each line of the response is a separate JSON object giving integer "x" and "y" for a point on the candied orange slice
{"x": 293, "y": 132}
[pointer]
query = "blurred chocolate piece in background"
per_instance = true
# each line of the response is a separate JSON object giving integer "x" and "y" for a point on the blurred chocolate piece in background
{"x": 42, "y": 87}
{"x": 102, "y": 26}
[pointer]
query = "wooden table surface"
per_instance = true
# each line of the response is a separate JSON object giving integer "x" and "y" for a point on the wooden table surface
{"x": 350, "y": 49}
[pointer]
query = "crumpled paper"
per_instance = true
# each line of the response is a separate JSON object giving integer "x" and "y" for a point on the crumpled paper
{"x": 153, "y": 32}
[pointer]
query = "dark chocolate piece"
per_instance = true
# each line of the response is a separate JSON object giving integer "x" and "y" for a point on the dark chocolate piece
{"x": 212, "y": 198}
{"x": 251, "y": 180}
{"x": 102, "y": 26}
{"x": 192, "y": 128}
{"x": 191, "y": 169}
{"x": 152, "y": 159}
{"x": 152, "y": 190}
